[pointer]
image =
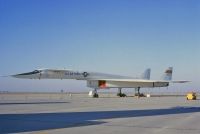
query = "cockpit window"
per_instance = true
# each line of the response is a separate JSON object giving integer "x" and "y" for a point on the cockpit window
{"x": 36, "y": 71}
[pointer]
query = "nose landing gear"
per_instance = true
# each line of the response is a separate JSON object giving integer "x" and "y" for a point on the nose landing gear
{"x": 93, "y": 93}
{"x": 120, "y": 94}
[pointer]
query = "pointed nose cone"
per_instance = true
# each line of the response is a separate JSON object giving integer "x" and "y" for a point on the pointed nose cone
{"x": 18, "y": 76}
{"x": 30, "y": 75}
{"x": 22, "y": 76}
{"x": 15, "y": 76}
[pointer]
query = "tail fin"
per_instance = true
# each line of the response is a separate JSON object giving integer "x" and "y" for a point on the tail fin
{"x": 146, "y": 74}
{"x": 168, "y": 74}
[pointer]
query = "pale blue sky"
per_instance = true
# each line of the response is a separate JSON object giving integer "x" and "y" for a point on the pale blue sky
{"x": 114, "y": 36}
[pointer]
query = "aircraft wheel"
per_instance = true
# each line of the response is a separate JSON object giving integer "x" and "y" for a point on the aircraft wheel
{"x": 95, "y": 95}
{"x": 121, "y": 95}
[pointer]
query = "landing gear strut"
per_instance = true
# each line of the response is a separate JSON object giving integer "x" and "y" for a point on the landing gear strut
{"x": 137, "y": 91}
{"x": 120, "y": 94}
{"x": 95, "y": 95}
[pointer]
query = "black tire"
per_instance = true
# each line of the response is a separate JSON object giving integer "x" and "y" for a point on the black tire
{"x": 96, "y": 96}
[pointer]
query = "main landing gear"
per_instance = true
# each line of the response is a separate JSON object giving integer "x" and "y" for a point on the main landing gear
{"x": 120, "y": 94}
{"x": 94, "y": 93}
{"x": 137, "y": 92}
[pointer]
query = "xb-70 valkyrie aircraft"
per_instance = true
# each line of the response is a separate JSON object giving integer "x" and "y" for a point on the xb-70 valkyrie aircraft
{"x": 103, "y": 81}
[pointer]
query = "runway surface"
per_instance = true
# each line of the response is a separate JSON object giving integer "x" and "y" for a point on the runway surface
{"x": 74, "y": 114}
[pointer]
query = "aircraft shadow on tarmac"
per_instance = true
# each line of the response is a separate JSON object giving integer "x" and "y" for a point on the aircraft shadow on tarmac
{"x": 13, "y": 123}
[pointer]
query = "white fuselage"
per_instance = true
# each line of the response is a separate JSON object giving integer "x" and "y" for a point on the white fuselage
{"x": 94, "y": 79}
{"x": 67, "y": 74}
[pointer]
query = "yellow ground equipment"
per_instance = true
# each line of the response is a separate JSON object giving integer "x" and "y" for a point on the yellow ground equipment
{"x": 191, "y": 96}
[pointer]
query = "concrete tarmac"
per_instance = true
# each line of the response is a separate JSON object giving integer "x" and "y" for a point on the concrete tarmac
{"x": 79, "y": 114}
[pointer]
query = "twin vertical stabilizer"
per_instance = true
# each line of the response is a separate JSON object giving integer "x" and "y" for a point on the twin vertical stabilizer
{"x": 146, "y": 74}
{"x": 168, "y": 74}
